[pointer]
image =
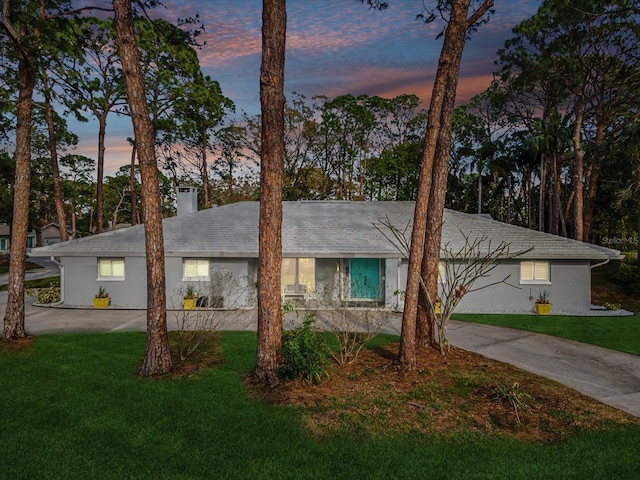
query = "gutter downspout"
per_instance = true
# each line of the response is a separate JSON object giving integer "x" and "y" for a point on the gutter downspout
{"x": 61, "y": 267}
{"x": 600, "y": 264}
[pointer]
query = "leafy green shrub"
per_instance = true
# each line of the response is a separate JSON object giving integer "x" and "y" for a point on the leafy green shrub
{"x": 44, "y": 296}
{"x": 304, "y": 353}
{"x": 612, "y": 306}
{"x": 627, "y": 275}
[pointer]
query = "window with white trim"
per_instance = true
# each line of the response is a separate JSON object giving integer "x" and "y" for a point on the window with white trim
{"x": 195, "y": 269}
{"x": 534, "y": 271}
{"x": 111, "y": 269}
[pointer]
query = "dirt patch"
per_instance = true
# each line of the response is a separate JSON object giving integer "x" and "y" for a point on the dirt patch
{"x": 19, "y": 345}
{"x": 444, "y": 396}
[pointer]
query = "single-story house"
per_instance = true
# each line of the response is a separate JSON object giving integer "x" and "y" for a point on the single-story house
{"x": 5, "y": 238}
{"x": 49, "y": 233}
{"x": 327, "y": 246}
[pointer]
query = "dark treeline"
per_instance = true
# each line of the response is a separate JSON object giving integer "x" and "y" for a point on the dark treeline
{"x": 552, "y": 144}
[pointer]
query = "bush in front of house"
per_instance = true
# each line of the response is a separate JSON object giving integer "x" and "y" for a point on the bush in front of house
{"x": 627, "y": 275}
{"x": 304, "y": 353}
{"x": 44, "y": 296}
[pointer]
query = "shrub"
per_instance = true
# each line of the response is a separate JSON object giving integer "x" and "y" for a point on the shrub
{"x": 44, "y": 296}
{"x": 218, "y": 302}
{"x": 627, "y": 275}
{"x": 353, "y": 328}
{"x": 304, "y": 353}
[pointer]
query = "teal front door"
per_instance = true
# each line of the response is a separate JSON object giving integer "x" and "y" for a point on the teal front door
{"x": 365, "y": 278}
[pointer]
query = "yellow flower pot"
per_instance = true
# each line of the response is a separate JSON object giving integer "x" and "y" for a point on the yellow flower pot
{"x": 543, "y": 308}
{"x": 101, "y": 302}
{"x": 189, "y": 303}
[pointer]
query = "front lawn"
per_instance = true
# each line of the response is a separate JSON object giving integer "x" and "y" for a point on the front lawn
{"x": 73, "y": 408}
{"x": 617, "y": 333}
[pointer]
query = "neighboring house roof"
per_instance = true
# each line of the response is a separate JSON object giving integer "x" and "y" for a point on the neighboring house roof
{"x": 319, "y": 229}
{"x": 51, "y": 226}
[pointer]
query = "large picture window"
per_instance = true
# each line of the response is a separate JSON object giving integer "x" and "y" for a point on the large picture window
{"x": 299, "y": 271}
{"x": 111, "y": 269}
{"x": 534, "y": 271}
{"x": 195, "y": 269}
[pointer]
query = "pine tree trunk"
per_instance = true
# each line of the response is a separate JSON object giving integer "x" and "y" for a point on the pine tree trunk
{"x": 272, "y": 103}
{"x": 102, "y": 129}
{"x": 456, "y": 29}
{"x": 426, "y": 325}
{"x": 132, "y": 186}
{"x": 578, "y": 173}
{"x": 638, "y": 210}
{"x": 206, "y": 200}
{"x": 157, "y": 359}
{"x": 55, "y": 170}
{"x": 543, "y": 180}
{"x": 594, "y": 182}
{"x": 14, "y": 317}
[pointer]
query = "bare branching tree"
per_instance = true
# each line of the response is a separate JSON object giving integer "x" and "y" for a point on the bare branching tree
{"x": 462, "y": 268}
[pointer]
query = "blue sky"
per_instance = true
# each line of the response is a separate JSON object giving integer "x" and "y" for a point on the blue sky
{"x": 334, "y": 47}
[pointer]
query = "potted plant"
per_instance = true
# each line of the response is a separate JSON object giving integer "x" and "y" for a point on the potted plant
{"x": 102, "y": 298}
{"x": 543, "y": 304}
{"x": 190, "y": 298}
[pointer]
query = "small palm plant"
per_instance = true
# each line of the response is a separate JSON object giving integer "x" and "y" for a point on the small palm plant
{"x": 102, "y": 293}
{"x": 543, "y": 298}
{"x": 190, "y": 293}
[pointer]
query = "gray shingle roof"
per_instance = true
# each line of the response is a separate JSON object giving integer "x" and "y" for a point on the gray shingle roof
{"x": 317, "y": 229}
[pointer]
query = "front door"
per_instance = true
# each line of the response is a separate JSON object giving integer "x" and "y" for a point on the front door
{"x": 365, "y": 278}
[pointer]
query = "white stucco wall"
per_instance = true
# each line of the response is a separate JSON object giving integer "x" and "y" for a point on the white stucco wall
{"x": 81, "y": 282}
{"x": 569, "y": 289}
{"x": 569, "y": 286}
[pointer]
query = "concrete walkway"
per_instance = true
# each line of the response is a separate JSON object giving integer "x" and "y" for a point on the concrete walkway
{"x": 611, "y": 377}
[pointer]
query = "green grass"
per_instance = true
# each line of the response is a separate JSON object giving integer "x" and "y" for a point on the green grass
{"x": 617, "y": 333}
{"x": 36, "y": 283}
{"x": 71, "y": 407}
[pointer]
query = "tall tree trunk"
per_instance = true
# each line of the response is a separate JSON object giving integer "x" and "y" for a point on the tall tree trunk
{"x": 102, "y": 131}
{"x": 594, "y": 182}
{"x": 272, "y": 102}
{"x": 554, "y": 195}
{"x": 132, "y": 186}
{"x": 455, "y": 30}
{"x": 205, "y": 173}
{"x": 543, "y": 180}
{"x": 480, "y": 168}
{"x": 55, "y": 170}
{"x": 426, "y": 325}
{"x": 14, "y": 316}
{"x": 638, "y": 211}
{"x": 578, "y": 172}
{"x": 157, "y": 358}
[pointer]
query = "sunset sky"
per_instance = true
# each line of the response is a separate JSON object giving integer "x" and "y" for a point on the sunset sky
{"x": 334, "y": 47}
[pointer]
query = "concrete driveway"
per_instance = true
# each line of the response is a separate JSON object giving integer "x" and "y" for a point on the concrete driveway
{"x": 611, "y": 377}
